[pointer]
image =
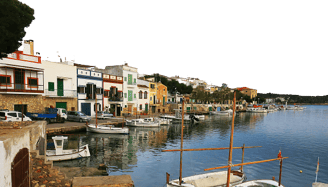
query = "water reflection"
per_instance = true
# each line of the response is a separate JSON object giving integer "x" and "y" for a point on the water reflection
{"x": 301, "y": 135}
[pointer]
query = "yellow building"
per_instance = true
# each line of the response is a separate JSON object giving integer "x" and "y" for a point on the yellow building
{"x": 248, "y": 91}
{"x": 157, "y": 97}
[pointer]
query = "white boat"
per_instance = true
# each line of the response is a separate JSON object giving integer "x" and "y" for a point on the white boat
{"x": 161, "y": 121}
{"x": 256, "y": 110}
{"x": 141, "y": 123}
{"x": 296, "y": 107}
{"x": 210, "y": 179}
{"x": 319, "y": 184}
{"x": 263, "y": 182}
{"x": 66, "y": 154}
{"x": 107, "y": 129}
{"x": 222, "y": 113}
{"x": 188, "y": 118}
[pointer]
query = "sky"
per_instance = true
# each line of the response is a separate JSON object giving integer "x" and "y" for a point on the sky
{"x": 273, "y": 46}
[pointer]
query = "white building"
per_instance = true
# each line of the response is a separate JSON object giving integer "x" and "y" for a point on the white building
{"x": 143, "y": 95}
{"x": 130, "y": 88}
{"x": 60, "y": 81}
{"x": 89, "y": 89}
{"x": 22, "y": 80}
{"x": 113, "y": 93}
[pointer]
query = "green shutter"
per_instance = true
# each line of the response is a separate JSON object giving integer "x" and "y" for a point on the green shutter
{"x": 60, "y": 87}
{"x": 129, "y": 79}
{"x": 51, "y": 86}
{"x": 130, "y": 98}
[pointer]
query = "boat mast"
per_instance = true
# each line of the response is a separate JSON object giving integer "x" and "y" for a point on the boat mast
{"x": 181, "y": 150}
{"x": 231, "y": 139}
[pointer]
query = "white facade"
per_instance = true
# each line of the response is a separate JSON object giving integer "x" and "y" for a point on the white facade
{"x": 143, "y": 95}
{"x": 57, "y": 74}
{"x": 113, "y": 93}
{"x": 89, "y": 89}
{"x": 130, "y": 89}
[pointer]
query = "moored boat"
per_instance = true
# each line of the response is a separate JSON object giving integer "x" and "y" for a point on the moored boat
{"x": 107, "y": 129}
{"x": 260, "y": 182}
{"x": 210, "y": 179}
{"x": 161, "y": 121}
{"x": 60, "y": 154}
{"x": 141, "y": 123}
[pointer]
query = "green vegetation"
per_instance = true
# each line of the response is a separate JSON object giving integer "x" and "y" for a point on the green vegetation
{"x": 173, "y": 85}
{"x": 297, "y": 98}
{"x": 14, "y": 17}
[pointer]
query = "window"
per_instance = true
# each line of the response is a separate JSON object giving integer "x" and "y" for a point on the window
{"x": 12, "y": 114}
{"x": 135, "y": 95}
{"x": 135, "y": 80}
{"x": 80, "y": 90}
{"x": 125, "y": 95}
{"x": 125, "y": 79}
{"x": 140, "y": 95}
{"x": 140, "y": 107}
{"x": 150, "y": 98}
{"x": 145, "y": 95}
{"x": 99, "y": 90}
{"x": 152, "y": 86}
{"x": 106, "y": 93}
{"x": 51, "y": 86}
{"x": 5, "y": 80}
{"x": 32, "y": 82}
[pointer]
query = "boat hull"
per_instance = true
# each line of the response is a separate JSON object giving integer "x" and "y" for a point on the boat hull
{"x": 210, "y": 179}
{"x": 264, "y": 182}
{"x": 107, "y": 129}
{"x": 69, "y": 154}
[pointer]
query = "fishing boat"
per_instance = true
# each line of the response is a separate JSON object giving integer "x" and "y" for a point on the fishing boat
{"x": 190, "y": 118}
{"x": 107, "y": 129}
{"x": 161, "y": 121}
{"x": 222, "y": 113}
{"x": 141, "y": 123}
{"x": 219, "y": 179}
{"x": 263, "y": 182}
{"x": 210, "y": 179}
{"x": 60, "y": 154}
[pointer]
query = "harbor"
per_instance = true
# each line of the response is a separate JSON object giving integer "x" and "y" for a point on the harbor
{"x": 140, "y": 155}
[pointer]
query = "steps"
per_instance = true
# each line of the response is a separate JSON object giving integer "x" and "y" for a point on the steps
{"x": 44, "y": 174}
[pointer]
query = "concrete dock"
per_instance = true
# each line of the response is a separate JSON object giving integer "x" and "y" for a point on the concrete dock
{"x": 103, "y": 181}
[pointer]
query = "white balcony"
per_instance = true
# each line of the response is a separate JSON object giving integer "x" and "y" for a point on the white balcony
{"x": 61, "y": 93}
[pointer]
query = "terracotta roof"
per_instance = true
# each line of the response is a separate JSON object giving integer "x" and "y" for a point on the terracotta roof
{"x": 143, "y": 86}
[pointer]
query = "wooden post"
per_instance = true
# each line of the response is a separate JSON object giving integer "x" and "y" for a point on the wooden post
{"x": 22, "y": 112}
{"x": 242, "y": 158}
{"x": 231, "y": 140}
{"x": 180, "y": 177}
{"x": 167, "y": 177}
{"x": 280, "y": 172}
{"x": 95, "y": 92}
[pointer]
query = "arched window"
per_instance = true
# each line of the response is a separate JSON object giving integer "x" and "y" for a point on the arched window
{"x": 145, "y": 97}
{"x": 140, "y": 94}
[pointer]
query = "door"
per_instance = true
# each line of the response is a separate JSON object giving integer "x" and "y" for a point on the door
{"x": 130, "y": 97}
{"x": 61, "y": 105}
{"x": 146, "y": 108}
{"x": 20, "y": 108}
{"x": 118, "y": 113}
{"x": 86, "y": 108}
{"x": 188, "y": 109}
{"x": 19, "y": 79}
{"x": 60, "y": 87}
{"x": 130, "y": 109}
{"x": 20, "y": 169}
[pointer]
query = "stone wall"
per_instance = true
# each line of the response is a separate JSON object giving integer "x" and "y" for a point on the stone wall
{"x": 33, "y": 102}
{"x": 51, "y": 101}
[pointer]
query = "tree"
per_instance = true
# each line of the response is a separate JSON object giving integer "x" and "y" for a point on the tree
{"x": 14, "y": 17}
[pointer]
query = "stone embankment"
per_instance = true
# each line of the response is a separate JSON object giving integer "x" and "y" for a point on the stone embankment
{"x": 43, "y": 174}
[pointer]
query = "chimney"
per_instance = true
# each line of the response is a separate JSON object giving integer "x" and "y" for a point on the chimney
{"x": 28, "y": 47}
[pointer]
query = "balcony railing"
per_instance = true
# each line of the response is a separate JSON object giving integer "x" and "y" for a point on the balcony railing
{"x": 60, "y": 93}
{"x": 115, "y": 99}
{"x": 15, "y": 87}
{"x": 132, "y": 83}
